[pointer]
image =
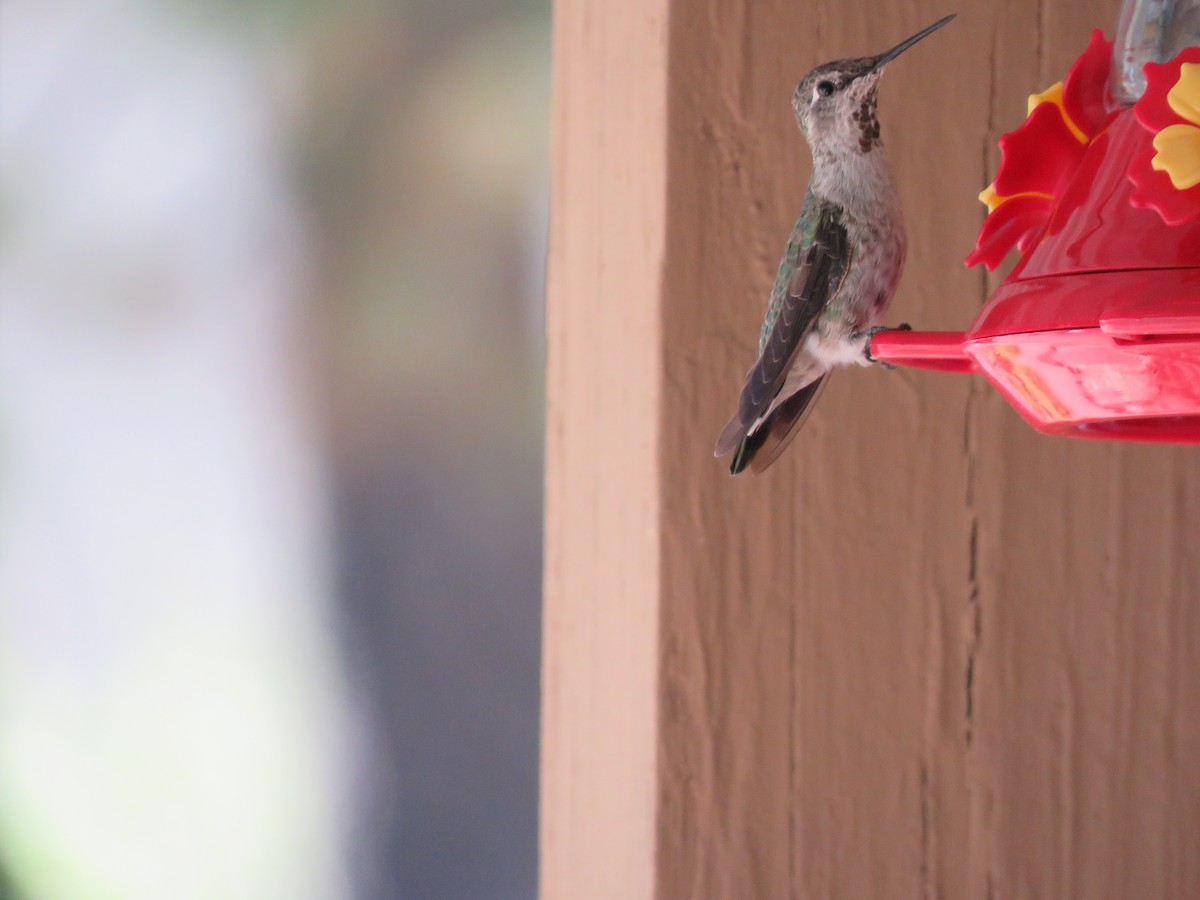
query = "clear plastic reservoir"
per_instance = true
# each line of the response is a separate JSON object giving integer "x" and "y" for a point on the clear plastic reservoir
{"x": 1149, "y": 31}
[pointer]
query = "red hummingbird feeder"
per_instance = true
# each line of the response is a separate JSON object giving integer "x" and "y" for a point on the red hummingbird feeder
{"x": 1096, "y": 332}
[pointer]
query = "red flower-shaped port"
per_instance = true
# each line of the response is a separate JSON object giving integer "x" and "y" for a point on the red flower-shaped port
{"x": 1037, "y": 159}
{"x": 1164, "y": 176}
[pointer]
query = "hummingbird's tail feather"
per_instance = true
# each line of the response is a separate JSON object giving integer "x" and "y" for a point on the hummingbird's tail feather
{"x": 746, "y": 450}
{"x": 731, "y": 435}
{"x": 763, "y": 446}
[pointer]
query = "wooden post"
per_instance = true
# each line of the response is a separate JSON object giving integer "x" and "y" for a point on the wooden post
{"x": 930, "y": 653}
{"x": 600, "y": 782}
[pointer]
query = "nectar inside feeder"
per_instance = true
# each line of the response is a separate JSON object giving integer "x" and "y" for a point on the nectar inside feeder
{"x": 1096, "y": 333}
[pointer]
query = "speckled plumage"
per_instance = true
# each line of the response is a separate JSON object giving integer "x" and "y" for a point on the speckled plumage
{"x": 841, "y": 265}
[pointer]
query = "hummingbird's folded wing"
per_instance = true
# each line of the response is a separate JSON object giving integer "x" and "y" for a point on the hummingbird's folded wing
{"x": 818, "y": 275}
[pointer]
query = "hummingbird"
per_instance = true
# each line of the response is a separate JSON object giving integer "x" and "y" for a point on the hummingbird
{"x": 841, "y": 266}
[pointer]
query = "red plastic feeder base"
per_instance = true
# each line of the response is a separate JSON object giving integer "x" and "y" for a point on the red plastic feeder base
{"x": 1096, "y": 334}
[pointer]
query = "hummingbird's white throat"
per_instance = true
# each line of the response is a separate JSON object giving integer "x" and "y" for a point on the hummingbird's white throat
{"x": 857, "y": 182}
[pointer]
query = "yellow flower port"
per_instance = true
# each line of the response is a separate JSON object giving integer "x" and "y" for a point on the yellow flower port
{"x": 1178, "y": 146}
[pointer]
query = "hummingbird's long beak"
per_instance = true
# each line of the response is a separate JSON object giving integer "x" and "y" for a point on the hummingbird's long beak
{"x": 884, "y": 58}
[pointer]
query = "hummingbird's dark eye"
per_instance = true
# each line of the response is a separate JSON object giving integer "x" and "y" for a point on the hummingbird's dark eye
{"x": 825, "y": 88}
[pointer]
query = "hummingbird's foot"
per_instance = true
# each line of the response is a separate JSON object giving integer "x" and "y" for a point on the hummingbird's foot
{"x": 871, "y": 332}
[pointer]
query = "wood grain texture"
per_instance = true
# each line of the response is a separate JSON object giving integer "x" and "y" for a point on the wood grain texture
{"x": 839, "y": 580}
{"x": 929, "y": 653}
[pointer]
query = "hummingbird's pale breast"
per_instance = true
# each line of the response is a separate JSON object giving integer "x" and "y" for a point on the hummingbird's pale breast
{"x": 862, "y": 189}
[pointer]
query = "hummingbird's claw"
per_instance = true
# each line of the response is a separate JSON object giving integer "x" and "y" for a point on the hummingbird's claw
{"x": 871, "y": 332}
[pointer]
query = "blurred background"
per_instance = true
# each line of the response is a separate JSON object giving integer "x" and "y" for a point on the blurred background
{"x": 270, "y": 447}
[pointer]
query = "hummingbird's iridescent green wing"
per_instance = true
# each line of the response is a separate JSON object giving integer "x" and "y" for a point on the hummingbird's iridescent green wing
{"x": 817, "y": 260}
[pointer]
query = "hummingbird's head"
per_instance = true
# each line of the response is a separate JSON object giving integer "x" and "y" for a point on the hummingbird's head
{"x": 835, "y": 106}
{"x": 835, "y": 102}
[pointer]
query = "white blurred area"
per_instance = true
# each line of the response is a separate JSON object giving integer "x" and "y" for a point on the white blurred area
{"x": 171, "y": 711}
